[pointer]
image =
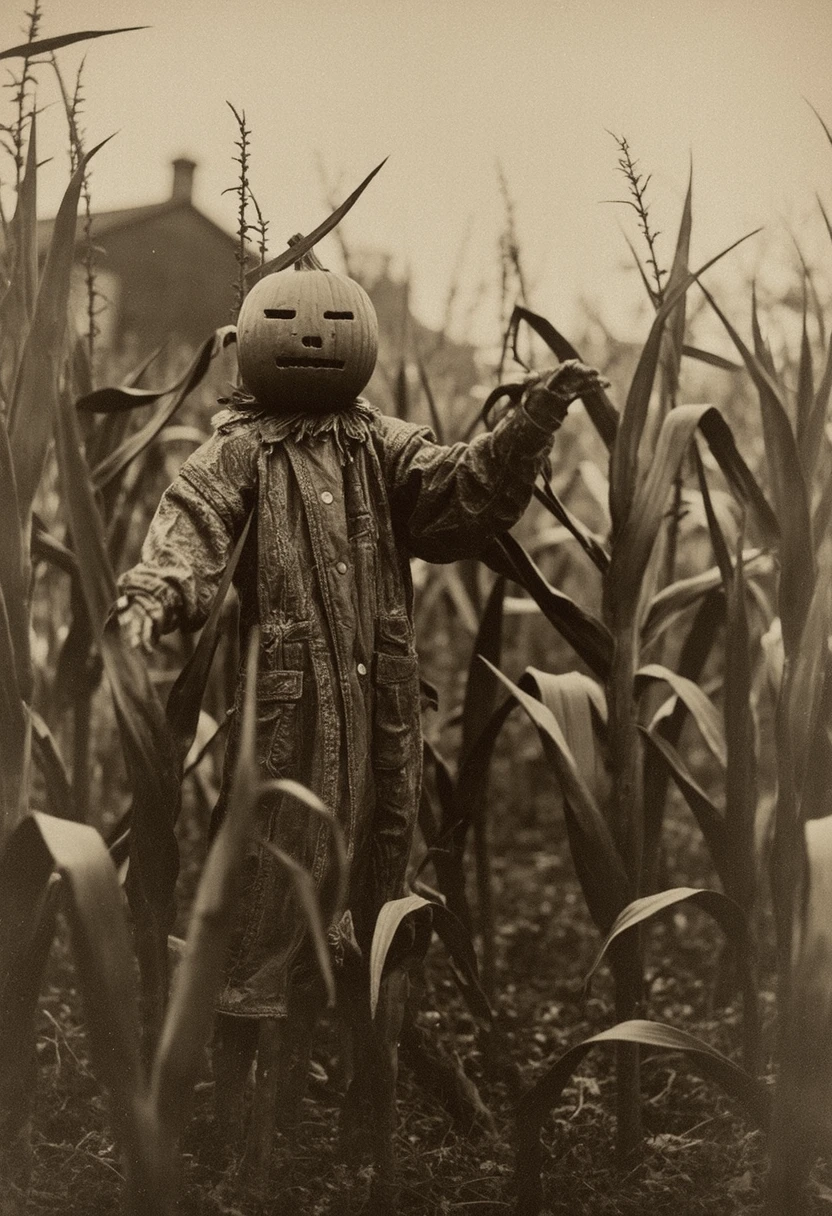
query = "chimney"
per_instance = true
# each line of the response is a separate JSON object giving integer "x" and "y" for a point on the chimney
{"x": 183, "y": 180}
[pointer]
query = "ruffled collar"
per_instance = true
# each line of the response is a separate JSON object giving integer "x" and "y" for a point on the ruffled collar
{"x": 344, "y": 427}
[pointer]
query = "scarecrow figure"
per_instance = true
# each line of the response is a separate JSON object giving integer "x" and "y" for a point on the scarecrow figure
{"x": 342, "y": 497}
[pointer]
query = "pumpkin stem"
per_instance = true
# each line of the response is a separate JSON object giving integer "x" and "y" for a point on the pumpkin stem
{"x": 307, "y": 261}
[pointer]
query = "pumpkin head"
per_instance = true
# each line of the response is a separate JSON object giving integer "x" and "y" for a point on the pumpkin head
{"x": 306, "y": 341}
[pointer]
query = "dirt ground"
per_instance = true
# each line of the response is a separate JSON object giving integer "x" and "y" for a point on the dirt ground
{"x": 701, "y": 1156}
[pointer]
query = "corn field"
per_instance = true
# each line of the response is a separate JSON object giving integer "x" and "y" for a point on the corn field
{"x": 617, "y": 934}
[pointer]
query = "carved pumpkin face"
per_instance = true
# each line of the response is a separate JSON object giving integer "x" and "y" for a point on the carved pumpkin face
{"x": 306, "y": 340}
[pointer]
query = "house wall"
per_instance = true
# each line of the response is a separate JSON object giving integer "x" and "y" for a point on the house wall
{"x": 176, "y": 277}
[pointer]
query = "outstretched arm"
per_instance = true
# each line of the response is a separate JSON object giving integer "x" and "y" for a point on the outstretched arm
{"x": 448, "y": 502}
{"x": 189, "y": 541}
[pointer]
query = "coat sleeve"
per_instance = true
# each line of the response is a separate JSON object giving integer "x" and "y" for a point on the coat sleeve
{"x": 447, "y": 502}
{"x": 193, "y": 532}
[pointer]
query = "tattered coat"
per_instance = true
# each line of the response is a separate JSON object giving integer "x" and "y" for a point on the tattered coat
{"x": 339, "y": 508}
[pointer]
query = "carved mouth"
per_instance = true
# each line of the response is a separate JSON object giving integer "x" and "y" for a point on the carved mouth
{"x": 309, "y": 361}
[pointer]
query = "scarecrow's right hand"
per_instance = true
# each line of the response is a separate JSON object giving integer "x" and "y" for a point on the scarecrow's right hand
{"x": 137, "y": 625}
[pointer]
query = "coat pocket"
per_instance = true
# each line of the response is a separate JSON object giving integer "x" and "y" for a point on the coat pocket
{"x": 397, "y": 709}
{"x": 278, "y": 700}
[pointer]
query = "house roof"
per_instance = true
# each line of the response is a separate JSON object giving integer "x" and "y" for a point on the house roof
{"x": 128, "y": 217}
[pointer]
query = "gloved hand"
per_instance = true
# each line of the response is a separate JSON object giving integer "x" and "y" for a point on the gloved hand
{"x": 551, "y": 394}
{"x": 137, "y": 624}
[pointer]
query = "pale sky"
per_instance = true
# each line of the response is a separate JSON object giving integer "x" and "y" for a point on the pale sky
{"x": 446, "y": 89}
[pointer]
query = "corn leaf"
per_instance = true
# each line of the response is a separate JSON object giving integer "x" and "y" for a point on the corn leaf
{"x": 13, "y": 733}
{"x": 673, "y": 337}
{"x": 707, "y": 356}
{"x": 546, "y": 1093}
{"x": 801, "y": 1126}
{"x": 601, "y": 411}
{"x": 590, "y": 544}
{"x": 587, "y": 636}
{"x": 295, "y": 252}
{"x": 624, "y": 462}
{"x": 805, "y": 389}
{"x": 805, "y": 687}
{"x": 35, "y": 397}
{"x": 701, "y": 708}
{"x": 813, "y": 436}
{"x": 481, "y": 687}
{"x": 118, "y": 398}
{"x": 92, "y": 900}
{"x": 741, "y": 769}
{"x": 597, "y": 860}
{"x": 388, "y": 920}
{"x": 18, "y": 303}
{"x": 307, "y": 897}
{"x": 294, "y": 789}
{"x": 55, "y": 778}
{"x": 190, "y": 1014}
{"x": 14, "y": 571}
{"x": 451, "y": 932}
{"x": 710, "y": 820}
{"x": 43, "y": 46}
{"x": 631, "y": 555}
{"x": 673, "y": 601}
{"x": 185, "y": 698}
{"x": 728, "y": 915}
{"x": 789, "y": 492}
{"x": 118, "y": 460}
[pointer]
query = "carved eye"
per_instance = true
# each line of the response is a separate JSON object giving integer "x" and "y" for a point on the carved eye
{"x": 339, "y": 316}
{"x": 279, "y": 314}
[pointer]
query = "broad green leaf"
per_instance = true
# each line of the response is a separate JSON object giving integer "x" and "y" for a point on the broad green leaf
{"x": 624, "y": 462}
{"x": 118, "y": 460}
{"x": 597, "y": 860}
{"x": 546, "y": 1093}
{"x": 789, "y": 492}
{"x": 601, "y": 411}
{"x": 296, "y": 251}
{"x": 190, "y": 1013}
{"x": 701, "y": 708}
{"x": 43, "y": 46}
{"x": 801, "y": 1124}
{"x": 587, "y": 636}
{"x": 35, "y": 397}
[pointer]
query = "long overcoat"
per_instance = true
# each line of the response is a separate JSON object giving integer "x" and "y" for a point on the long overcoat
{"x": 338, "y": 511}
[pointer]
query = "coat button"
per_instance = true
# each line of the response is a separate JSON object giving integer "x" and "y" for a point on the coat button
{"x": 326, "y": 497}
{"x": 361, "y": 669}
{"x": 341, "y": 567}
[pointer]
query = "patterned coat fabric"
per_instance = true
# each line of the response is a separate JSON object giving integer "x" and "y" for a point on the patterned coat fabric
{"x": 339, "y": 510}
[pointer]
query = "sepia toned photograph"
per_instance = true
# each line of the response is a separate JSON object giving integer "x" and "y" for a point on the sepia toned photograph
{"x": 415, "y": 608}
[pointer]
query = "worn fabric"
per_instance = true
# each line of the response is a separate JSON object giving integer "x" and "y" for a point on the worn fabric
{"x": 325, "y": 574}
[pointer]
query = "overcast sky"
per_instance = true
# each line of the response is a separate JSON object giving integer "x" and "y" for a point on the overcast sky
{"x": 447, "y": 89}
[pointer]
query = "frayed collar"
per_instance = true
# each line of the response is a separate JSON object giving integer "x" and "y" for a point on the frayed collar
{"x": 345, "y": 427}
